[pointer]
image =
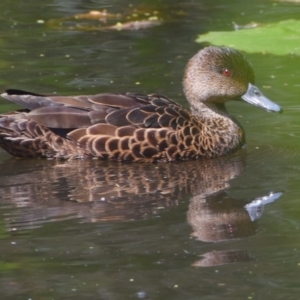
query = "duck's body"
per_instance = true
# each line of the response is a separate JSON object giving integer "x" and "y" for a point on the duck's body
{"x": 130, "y": 127}
{"x": 134, "y": 127}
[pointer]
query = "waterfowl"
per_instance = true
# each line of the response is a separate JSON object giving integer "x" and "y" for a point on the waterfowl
{"x": 134, "y": 127}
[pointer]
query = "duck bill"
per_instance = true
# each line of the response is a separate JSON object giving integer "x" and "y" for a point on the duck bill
{"x": 255, "y": 97}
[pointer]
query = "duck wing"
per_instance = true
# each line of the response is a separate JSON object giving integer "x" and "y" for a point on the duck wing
{"x": 115, "y": 126}
{"x": 71, "y": 112}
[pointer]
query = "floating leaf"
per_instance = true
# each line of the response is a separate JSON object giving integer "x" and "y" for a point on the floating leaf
{"x": 278, "y": 38}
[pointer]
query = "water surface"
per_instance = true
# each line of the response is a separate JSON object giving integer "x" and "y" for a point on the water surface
{"x": 103, "y": 230}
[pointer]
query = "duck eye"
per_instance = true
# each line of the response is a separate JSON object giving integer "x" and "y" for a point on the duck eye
{"x": 226, "y": 72}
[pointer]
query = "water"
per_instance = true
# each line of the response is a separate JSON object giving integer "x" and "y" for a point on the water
{"x": 103, "y": 230}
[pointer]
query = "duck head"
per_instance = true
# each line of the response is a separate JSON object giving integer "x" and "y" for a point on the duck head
{"x": 219, "y": 74}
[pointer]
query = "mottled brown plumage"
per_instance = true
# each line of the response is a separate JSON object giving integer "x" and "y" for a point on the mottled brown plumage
{"x": 135, "y": 127}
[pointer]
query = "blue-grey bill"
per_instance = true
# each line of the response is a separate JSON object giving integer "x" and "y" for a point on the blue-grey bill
{"x": 255, "y": 97}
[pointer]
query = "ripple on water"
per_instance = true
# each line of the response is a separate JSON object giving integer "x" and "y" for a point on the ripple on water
{"x": 269, "y": 152}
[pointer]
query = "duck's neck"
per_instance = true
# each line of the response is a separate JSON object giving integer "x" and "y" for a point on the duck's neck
{"x": 223, "y": 131}
{"x": 210, "y": 110}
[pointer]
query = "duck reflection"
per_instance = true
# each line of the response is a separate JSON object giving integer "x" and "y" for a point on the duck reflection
{"x": 97, "y": 191}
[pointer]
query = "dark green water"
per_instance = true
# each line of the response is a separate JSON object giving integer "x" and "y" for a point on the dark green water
{"x": 100, "y": 230}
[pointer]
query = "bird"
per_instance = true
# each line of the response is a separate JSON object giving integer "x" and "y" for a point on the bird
{"x": 135, "y": 127}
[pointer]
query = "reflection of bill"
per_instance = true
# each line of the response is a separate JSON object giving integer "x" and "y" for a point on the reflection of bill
{"x": 256, "y": 207}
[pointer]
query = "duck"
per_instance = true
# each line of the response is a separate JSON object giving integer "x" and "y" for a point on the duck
{"x": 135, "y": 127}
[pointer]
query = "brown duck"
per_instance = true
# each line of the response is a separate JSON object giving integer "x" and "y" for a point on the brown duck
{"x": 133, "y": 127}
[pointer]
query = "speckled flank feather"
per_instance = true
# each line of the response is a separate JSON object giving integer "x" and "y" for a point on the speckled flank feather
{"x": 133, "y": 127}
